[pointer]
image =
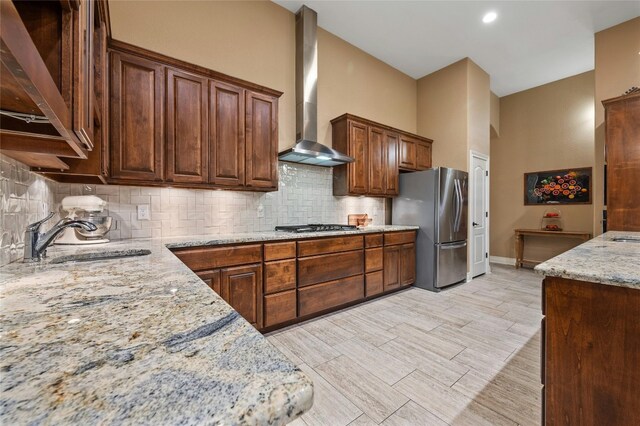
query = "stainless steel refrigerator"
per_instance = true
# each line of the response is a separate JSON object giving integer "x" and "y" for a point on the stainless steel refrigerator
{"x": 436, "y": 200}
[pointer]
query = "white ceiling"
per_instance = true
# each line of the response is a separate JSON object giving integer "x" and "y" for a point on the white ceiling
{"x": 531, "y": 43}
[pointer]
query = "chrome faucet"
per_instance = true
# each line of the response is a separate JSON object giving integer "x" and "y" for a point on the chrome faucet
{"x": 36, "y": 243}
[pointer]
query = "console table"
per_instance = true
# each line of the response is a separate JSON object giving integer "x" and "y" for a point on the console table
{"x": 520, "y": 234}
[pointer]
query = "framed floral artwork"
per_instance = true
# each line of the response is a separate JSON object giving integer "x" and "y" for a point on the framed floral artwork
{"x": 568, "y": 186}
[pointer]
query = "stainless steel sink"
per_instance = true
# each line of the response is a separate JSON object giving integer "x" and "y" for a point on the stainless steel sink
{"x": 626, "y": 239}
{"x": 105, "y": 255}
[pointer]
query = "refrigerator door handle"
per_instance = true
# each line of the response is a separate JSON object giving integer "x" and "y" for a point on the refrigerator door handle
{"x": 458, "y": 213}
{"x": 453, "y": 246}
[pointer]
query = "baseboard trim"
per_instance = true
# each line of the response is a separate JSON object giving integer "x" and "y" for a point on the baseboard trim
{"x": 469, "y": 277}
{"x": 503, "y": 260}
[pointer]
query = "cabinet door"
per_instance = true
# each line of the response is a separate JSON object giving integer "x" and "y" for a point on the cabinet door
{"x": 186, "y": 127}
{"x": 423, "y": 155}
{"x": 391, "y": 267}
{"x": 407, "y": 153}
{"x": 136, "y": 118}
{"x": 241, "y": 288}
{"x": 377, "y": 164}
{"x": 226, "y": 134}
{"x": 358, "y": 171}
{"x": 391, "y": 183}
{"x": 262, "y": 141}
{"x": 407, "y": 264}
{"x": 212, "y": 279}
{"x": 83, "y": 73}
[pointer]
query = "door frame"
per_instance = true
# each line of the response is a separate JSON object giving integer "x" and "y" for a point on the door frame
{"x": 475, "y": 154}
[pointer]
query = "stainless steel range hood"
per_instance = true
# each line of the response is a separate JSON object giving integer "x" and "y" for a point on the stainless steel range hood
{"x": 307, "y": 150}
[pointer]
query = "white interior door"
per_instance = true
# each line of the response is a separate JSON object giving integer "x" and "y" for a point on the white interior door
{"x": 479, "y": 214}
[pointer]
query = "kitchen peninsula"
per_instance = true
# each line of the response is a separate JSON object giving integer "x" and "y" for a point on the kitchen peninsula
{"x": 108, "y": 341}
{"x": 591, "y": 333}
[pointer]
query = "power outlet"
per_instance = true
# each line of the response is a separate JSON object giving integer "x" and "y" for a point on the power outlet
{"x": 144, "y": 213}
{"x": 260, "y": 211}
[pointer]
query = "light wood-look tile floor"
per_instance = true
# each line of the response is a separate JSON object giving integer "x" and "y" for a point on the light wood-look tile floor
{"x": 468, "y": 355}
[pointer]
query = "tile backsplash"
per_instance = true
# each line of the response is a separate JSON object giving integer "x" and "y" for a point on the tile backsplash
{"x": 305, "y": 195}
{"x": 25, "y": 197}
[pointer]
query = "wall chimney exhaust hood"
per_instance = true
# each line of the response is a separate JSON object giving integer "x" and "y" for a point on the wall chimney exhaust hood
{"x": 307, "y": 149}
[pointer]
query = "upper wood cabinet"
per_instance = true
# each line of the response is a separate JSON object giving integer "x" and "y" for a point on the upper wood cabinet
{"x": 377, "y": 164}
{"x": 392, "y": 172}
{"x": 357, "y": 147}
{"x": 622, "y": 141}
{"x": 187, "y": 150}
{"x": 136, "y": 118}
{"x": 415, "y": 153}
{"x": 261, "y": 141}
{"x": 380, "y": 152}
{"x": 51, "y": 56}
{"x": 220, "y": 132}
{"x": 226, "y": 134}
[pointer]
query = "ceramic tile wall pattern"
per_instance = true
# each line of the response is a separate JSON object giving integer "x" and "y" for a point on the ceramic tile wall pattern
{"x": 25, "y": 197}
{"x": 304, "y": 196}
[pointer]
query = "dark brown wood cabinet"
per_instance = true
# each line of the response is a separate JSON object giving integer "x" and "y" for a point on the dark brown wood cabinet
{"x": 262, "y": 141}
{"x": 226, "y": 134}
{"x": 51, "y": 60}
{"x": 380, "y": 152}
{"x": 399, "y": 260}
{"x": 376, "y": 161}
{"x": 186, "y": 147}
{"x": 415, "y": 153}
{"x": 276, "y": 284}
{"x": 136, "y": 118}
{"x": 83, "y": 72}
{"x": 622, "y": 142}
{"x": 221, "y": 132}
{"x": 590, "y": 353}
{"x": 241, "y": 287}
{"x": 358, "y": 171}
{"x": 212, "y": 279}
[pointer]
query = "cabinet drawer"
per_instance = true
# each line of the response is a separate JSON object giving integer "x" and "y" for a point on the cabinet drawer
{"x": 279, "y": 251}
{"x": 198, "y": 259}
{"x": 323, "y": 296}
{"x": 279, "y": 307}
{"x": 373, "y": 240}
{"x": 373, "y": 259}
{"x": 328, "y": 267}
{"x": 329, "y": 245}
{"x": 373, "y": 283}
{"x": 399, "y": 238}
{"x": 279, "y": 276}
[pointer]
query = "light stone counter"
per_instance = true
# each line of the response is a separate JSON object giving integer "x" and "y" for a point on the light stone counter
{"x": 139, "y": 340}
{"x": 600, "y": 260}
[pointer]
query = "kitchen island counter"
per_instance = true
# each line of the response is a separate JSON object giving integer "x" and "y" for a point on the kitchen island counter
{"x": 600, "y": 260}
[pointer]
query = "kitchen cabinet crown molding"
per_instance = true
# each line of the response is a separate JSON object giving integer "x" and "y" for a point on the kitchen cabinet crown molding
{"x": 124, "y": 47}
{"x": 368, "y": 122}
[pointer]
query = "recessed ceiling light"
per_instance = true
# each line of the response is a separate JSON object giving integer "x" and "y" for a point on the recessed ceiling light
{"x": 489, "y": 17}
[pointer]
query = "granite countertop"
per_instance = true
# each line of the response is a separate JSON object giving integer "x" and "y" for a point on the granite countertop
{"x": 600, "y": 260}
{"x": 139, "y": 340}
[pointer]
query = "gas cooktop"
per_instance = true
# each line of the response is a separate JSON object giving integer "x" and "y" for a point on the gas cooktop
{"x": 316, "y": 228}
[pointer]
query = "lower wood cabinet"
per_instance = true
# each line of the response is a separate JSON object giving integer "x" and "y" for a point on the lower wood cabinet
{"x": 320, "y": 297}
{"x": 212, "y": 279}
{"x": 399, "y": 260}
{"x": 280, "y": 307}
{"x": 590, "y": 353}
{"x": 278, "y": 283}
{"x": 241, "y": 287}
